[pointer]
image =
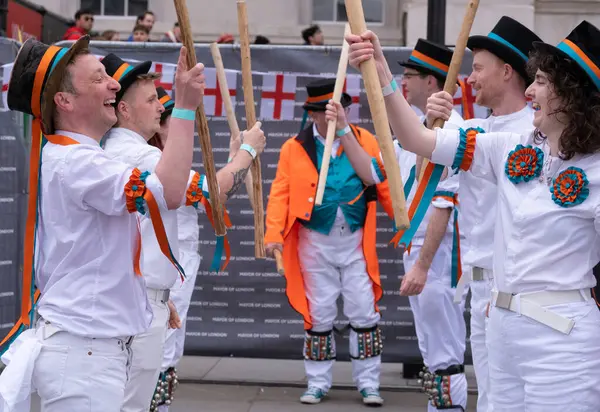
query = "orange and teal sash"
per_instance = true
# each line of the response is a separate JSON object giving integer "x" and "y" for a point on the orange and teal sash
{"x": 195, "y": 195}
{"x": 456, "y": 273}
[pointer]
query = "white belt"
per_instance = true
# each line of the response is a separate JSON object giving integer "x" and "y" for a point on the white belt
{"x": 532, "y": 305}
{"x": 476, "y": 274}
{"x": 158, "y": 295}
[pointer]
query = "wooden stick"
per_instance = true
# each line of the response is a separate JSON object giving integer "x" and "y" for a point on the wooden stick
{"x": 259, "y": 228}
{"x": 279, "y": 262}
{"x": 337, "y": 95}
{"x": 231, "y": 119}
{"x": 356, "y": 18}
{"x": 201, "y": 124}
{"x": 455, "y": 63}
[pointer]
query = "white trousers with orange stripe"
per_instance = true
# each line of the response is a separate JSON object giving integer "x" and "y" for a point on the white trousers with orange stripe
{"x": 331, "y": 265}
{"x": 439, "y": 322}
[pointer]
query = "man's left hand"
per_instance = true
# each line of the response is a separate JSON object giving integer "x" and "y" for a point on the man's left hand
{"x": 335, "y": 111}
{"x": 174, "y": 321}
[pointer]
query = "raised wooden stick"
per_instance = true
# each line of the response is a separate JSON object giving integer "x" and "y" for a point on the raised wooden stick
{"x": 456, "y": 62}
{"x": 279, "y": 262}
{"x": 259, "y": 213}
{"x": 231, "y": 119}
{"x": 203, "y": 132}
{"x": 356, "y": 18}
{"x": 337, "y": 94}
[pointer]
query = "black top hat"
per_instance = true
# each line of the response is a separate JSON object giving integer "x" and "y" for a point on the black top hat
{"x": 429, "y": 58}
{"x": 320, "y": 92}
{"x": 123, "y": 72}
{"x": 510, "y": 41}
{"x": 166, "y": 101}
{"x": 37, "y": 74}
{"x": 582, "y": 46}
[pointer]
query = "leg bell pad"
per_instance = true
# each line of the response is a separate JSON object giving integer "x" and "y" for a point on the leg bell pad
{"x": 319, "y": 346}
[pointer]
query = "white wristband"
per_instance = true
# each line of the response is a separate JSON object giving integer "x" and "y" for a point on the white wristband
{"x": 343, "y": 132}
{"x": 249, "y": 149}
{"x": 390, "y": 88}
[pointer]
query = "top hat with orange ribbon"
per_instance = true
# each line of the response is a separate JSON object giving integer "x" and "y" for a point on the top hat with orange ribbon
{"x": 123, "y": 72}
{"x": 166, "y": 101}
{"x": 509, "y": 40}
{"x": 36, "y": 77}
{"x": 429, "y": 58}
{"x": 581, "y": 46}
{"x": 319, "y": 94}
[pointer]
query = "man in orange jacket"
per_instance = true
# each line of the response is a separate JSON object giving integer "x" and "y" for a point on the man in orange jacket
{"x": 331, "y": 248}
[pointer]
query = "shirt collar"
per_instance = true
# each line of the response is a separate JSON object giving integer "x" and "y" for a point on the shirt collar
{"x": 126, "y": 133}
{"x": 81, "y": 138}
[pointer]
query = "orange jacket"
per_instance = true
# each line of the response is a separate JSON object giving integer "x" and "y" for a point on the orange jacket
{"x": 292, "y": 197}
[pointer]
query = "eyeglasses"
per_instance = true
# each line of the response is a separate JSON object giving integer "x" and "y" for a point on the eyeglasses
{"x": 409, "y": 75}
{"x": 88, "y": 18}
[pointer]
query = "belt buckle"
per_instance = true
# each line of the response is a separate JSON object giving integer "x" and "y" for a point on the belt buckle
{"x": 166, "y": 295}
{"x": 477, "y": 274}
{"x": 503, "y": 300}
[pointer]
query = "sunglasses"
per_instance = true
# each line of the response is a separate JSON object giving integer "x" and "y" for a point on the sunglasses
{"x": 88, "y": 18}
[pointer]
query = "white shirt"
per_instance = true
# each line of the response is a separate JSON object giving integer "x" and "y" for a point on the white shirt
{"x": 478, "y": 196}
{"x": 407, "y": 161}
{"x": 131, "y": 148}
{"x": 188, "y": 228}
{"x": 86, "y": 243}
{"x": 538, "y": 244}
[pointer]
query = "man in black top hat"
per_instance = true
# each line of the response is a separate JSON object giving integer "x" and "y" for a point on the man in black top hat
{"x": 93, "y": 297}
{"x": 329, "y": 249}
{"x": 500, "y": 77}
{"x": 139, "y": 114}
{"x": 429, "y": 276}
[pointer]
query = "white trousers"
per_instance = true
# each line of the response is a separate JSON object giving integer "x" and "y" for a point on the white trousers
{"x": 534, "y": 368}
{"x": 439, "y": 322}
{"x": 181, "y": 295}
{"x": 147, "y": 353}
{"x": 73, "y": 373}
{"x": 480, "y": 297}
{"x": 331, "y": 265}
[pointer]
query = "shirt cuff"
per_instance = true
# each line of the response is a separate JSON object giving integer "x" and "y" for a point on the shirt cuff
{"x": 444, "y": 200}
{"x": 446, "y": 145}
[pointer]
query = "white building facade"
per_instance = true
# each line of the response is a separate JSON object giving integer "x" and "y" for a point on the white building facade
{"x": 397, "y": 22}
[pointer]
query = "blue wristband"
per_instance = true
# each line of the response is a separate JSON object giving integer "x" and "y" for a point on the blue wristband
{"x": 249, "y": 149}
{"x": 184, "y": 114}
{"x": 390, "y": 88}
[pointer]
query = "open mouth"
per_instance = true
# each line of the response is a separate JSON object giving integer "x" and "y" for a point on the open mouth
{"x": 536, "y": 106}
{"x": 109, "y": 102}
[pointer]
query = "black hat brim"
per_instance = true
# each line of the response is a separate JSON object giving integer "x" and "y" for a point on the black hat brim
{"x": 345, "y": 101}
{"x": 130, "y": 78}
{"x": 502, "y": 51}
{"x": 546, "y": 48}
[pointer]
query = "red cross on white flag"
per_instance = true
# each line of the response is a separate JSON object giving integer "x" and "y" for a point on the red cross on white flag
{"x": 6, "y": 71}
{"x": 167, "y": 72}
{"x": 213, "y": 100}
{"x": 352, "y": 87}
{"x": 278, "y": 97}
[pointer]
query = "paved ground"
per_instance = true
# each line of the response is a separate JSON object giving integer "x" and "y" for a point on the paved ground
{"x": 267, "y": 385}
{"x": 236, "y": 398}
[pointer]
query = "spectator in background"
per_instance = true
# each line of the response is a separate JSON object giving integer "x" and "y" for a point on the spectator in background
{"x": 261, "y": 40}
{"x": 173, "y": 36}
{"x": 109, "y": 35}
{"x": 226, "y": 39}
{"x": 313, "y": 36}
{"x": 140, "y": 33}
{"x": 84, "y": 21}
{"x": 146, "y": 20}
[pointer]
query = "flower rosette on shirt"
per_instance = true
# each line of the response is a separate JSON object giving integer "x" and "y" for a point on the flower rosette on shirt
{"x": 570, "y": 187}
{"x": 135, "y": 190}
{"x": 194, "y": 192}
{"x": 524, "y": 163}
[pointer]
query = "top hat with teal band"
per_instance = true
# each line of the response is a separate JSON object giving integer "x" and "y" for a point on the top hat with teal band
{"x": 166, "y": 101}
{"x": 582, "y": 46}
{"x": 510, "y": 41}
{"x": 123, "y": 72}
